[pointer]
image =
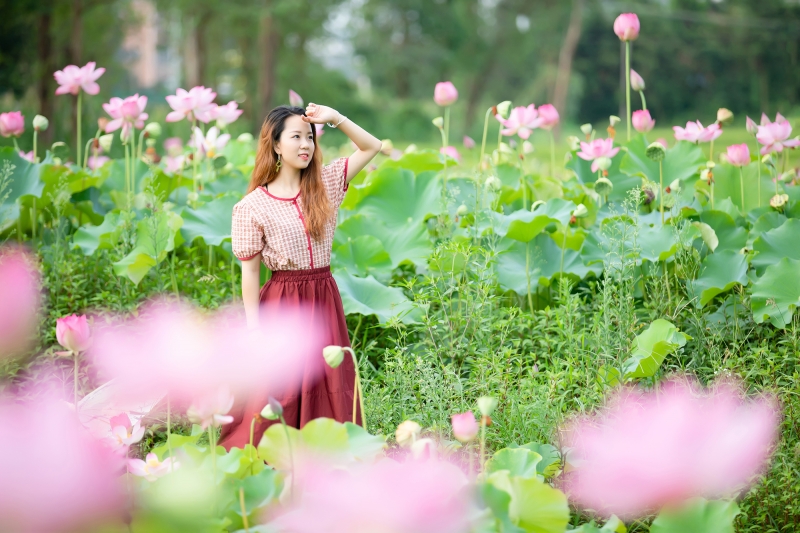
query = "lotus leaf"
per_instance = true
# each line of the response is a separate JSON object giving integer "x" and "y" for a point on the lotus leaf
{"x": 775, "y": 244}
{"x": 367, "y": 296}
{"x": 650, "y": 348}
{"x": 776, "y": 294}
{"x": 697, "y": 515}
{"x": 211, "y": 221}
{"x": 719, "y": 273}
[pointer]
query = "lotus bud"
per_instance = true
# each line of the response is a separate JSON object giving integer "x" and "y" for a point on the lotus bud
{"x": 536, "y": 204}
{"x": 710, "y": 164}
{"x": 603, "y": 162}
{"x": 493, "y": 184}
{"x": 573, "y": 143}
{"x": 767, "y": 159}
{"x": 724, "y": 116}
{"x": 603, "y": 186}
{"x": 424, "y": 449}
{"x": 587, "y": 129}
{"x": 438, "y": 122}
{"x": 637, "y": 82}
{"x": 333, "y": 355}
{"x": 40, "y": 123}
{"x": 706, "y": 175}
{"x": 57, "y": 161}
{"x": 503, "y": 109}
{"x": 506, "y": 148}
{"x": 580, "y": 211}
{"x": 751, "y": 126}
{"x": 487, "y": 405}
{"x": 102, "y": 122}
{"x": 613, "y": 120}
{"x": 465, "y": 428}
{"x": 779, "y": 200}
{"x": 410, "y": 149}
{"x": 245, "y": 138}
{"x": 462, "y": 210}
{"x": 407, "y": 432}
{"x": 656, "y": 152}
{"x": 273, "y": 410}
{"x": 106, "y": 141}
{"x": 153, "y": 129}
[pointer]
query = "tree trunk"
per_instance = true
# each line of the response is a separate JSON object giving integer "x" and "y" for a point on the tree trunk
{"x": 268, "y": 45}
{"x": 565, "y": 57}
{"x": 45, "y": 86}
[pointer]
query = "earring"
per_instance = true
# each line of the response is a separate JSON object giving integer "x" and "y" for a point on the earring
{"x": 278, "y": 164}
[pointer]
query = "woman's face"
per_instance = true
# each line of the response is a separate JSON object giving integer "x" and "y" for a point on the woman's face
{"x": 296, "y": 145}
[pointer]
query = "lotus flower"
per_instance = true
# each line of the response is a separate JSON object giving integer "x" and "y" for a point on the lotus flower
{"x": 73, "y": 333}
{"x": 592, "y": 151}
{"x": 295, "y": 99}
{"x": 211, "y": 410}
{"x": 72, "y": 79}
{"x": 465, "y": 428}
{"x": 197, "y": 103}
{"x": 548, "y": 115}
{"x": 126, "y": 114}
{"x": 655, "y": 448}
{"x": 407, "y": 433}
{"x": 319, "y": 128}
{"x": 28, "y": 156}
{"x": 695, "y": 132}
{"x": 522, "y": 121}
{"x": 450, "y": 151}
{"x": 410, "y": 497}
{"x": 637, "y": 82}
{"x": 469, "y": 142}
{"x": 151, "y": 468}
{"x": 212, "y": 142}
{"x": 173, "y": 145}
{"x": 12, "y": 124}
{"x": 97, "y": 161}
{"x": 173, "y": 164}
{"x": 775, "y": 135}
{"x": 123, "y": 433}
{"x": 711, "y": 132}
{"x": 445, "y": 94}
{"x": 226, "y": 114}
{"x": 626, "y": 26}
{"x": 739, "y": 155}
{"x": 642, "y": 122}
{"x": 19, "y": 292}
{"x": 54, "y": 476}
{"x": 751, "y": 126}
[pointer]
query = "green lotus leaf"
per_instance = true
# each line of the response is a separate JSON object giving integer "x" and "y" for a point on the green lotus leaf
{"x": 363, "y": 256}
{"x": 764, "y": 223}
{"x": 729, "y": 235}
{"x": 211, "y": 221}
{"x": 650, "y": 348}
{"x": 105, "y": 236}
{"x": 776, "y": 294}
{"x": 367, "y": 296}
{"x": 516, "y": 461}
{"x": 657, "y": 243}
{"x": 155, "y": 236}
{"x": 681, "y": 162}
{"x": 727, "y": 186}
{"x": 24, "y": 182}
{"x": 719, "y": 273}
{"x": 697, "y": 515}
{"x": 551, "y": 458}
{"x": 416, "y": 162}
{"x": 509, "y": 175}
{"x": 775, "y": 244}
{"x": 524, "y": 225}
{"x": 535, "y": 506}
{"x": 362, "y": 445}
{"x": 702, "y": 231}
{"x": 397, "y": 196}
{"x": 407, "y": 242}
{"x": 259, "y": 491}
{"x": 498, "y": 501}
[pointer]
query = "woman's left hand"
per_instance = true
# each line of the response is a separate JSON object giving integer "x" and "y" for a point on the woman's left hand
{"x": 320, "y": 114}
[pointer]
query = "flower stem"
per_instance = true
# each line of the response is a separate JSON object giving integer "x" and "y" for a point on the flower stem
{"x": 16, "y": 145}
{"x": 75, "y": 381}
{"x": 78, "y": 147}
{"x": 483, "y": 140}
{"x": 644, "y": 102}
{"x": 250, "y": 452}
{"x": 758, "y": 164}
{"x": 291, "y": 458}
{"x": 528, "y": 274}
{"x": 35, "y": 156}
{"x": 711, "y": 151}
{"x": 357, "y": 390}
{"x": 244, "y": 510}
{"x": 127, "y": 175}
{"x": 741, "y": 187}
{"x": 194, "y": 161}
{"x": 661, "y": 189}
{"x": 141, "y": 142}
{"x": 447, "y": 125}
{"x": 628, "y": 84}
{"x": 483, "y": 442}
{"x": 552, "y": 154}
{"x": 86, "y": 153}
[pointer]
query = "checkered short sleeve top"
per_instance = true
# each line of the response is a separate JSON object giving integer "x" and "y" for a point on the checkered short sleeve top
{"x": 275, "y": 229}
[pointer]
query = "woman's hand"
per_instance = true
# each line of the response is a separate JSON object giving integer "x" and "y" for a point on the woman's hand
{"x": 320, "y": 114}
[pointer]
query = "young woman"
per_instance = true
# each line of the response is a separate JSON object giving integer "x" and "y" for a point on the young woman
{"x": 287, "y": 221}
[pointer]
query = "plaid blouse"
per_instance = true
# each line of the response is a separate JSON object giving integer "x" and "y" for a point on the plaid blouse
{"x": 275, "y": 228}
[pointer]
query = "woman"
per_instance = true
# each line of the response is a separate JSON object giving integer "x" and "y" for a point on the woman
{"x": 287, "y": 220}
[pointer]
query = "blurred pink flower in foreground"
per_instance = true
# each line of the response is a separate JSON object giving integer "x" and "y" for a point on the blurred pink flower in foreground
{"x": 211, "y": 410}
{"x": 73, "y": 78}
{"x": 775, "y": 135}
{"x": 126, "y": 114}
{"x": 465, "y": 428}
{"x": 151, "y": 468}
{"x": 53, "y": 476}
{"x": 450, "y": 151}
{"x": 173, "y": 145}
{"x": 469, "y": 142}
{"x": 655, "y": 448}
{"x": 626, "y": 26}
{"x": 295, "y": 99}
{"x": 97, "y": 161}
{"x": 28, "y": 156}
{"x": 19, "y": 294}
{"x": 196, "y": 103}
{"x": 522, "y": 121}
{"x": 12, "y": 124}
{"x": 72, "y": 332}
{"x": 445, "y": 93}
{"x": 592, "y": 151}
{"x": 549, "y": 116}
{"x": 642, "y": 122}
{"x": 739, "y": 155}
{"x": 173, "y": 348}
{"x": 319, "y": 128}
{"x": 410, "y": 497}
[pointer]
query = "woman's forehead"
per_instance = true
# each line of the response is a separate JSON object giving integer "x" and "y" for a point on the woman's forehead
{"x": 295, "y": 124}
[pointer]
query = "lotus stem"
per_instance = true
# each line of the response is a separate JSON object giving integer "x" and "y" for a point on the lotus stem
{"x": 758, "y": 165}
{"x": 483, "y": 441}
{"x": 528, "y": 274}
{"x": 357, "y": 390}
{"x": 741, "y": 187}
{"x": 644, "y": 102}
{"x": 666, "y": 279}
{"x": 244, "y": 509}
{"x": 194, "y": 162}
{"x": 628, "y": 84}
{"x": 711, "y": 151}
{"x": 552, "y": 154}
{"x": 86, "y": 153}
{"x": 35, "y": 155}
{"x": 78, "y": 147}
{"x": 141, "y": 142}
{"x": 563, "y": 251}
{"x": 661, "y": 189}
{"x": 16, "y": 144}
{"x": 210, "y": 258}
{"x": 483, "y": 139}
{"x": 33, "y": 219}
{"x": 291, "y": 458}
{"x": 127, "y": 175}
{"x": 250, "y": 451}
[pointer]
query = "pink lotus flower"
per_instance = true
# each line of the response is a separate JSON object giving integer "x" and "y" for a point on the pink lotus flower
{"x": 123, "y": 433}
{"x": 126, "y": 114}
{"x": 522, "y": 121}
{"x": 592, "y": 151}
{"x": 73, "y": 333}
{"x": 450, "y": 151}
{"x": 212, "y": 142}
{"x": 642, "y": 122}
{"x": 12, "y": 124}
{"x": 695, "y": 132}
{"x": 465, "y": 428}
{"x": 319, "y": 128}
{"x": 226, "y": 114}
{"x": 387, "y": 496}
{"x": 548, "y": 115}
{"x": 739, "y": 155}
{"x": 652, "y": 449}
{"x": 469, "y": 142}
{"x": 97, "y": 161}
{"x": 28, "y": 156}
{"x": 445, "y": 93}
{"x": 151, "y": 468}
{"x": 637, "y": 82}
{"x": 211, "y": 410}
{"x": 751, "y": 126}
{"x": 173, "y": 145}
{"x": 295, "y": 99}
{"x": 72, "y": 79}
{"x": 173, "y": 164}
{"x": 19, "y": 292}
{"x": 53, "y": 476}
{"x": 710, "y": 133}
{"x": 663, "y": 142}
{"x": 626, "y": 26}
{"x": 775, "y": 135}
{"x": 197, "y": 103}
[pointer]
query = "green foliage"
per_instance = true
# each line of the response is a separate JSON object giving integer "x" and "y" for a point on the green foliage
{"x": 697, "y": 516}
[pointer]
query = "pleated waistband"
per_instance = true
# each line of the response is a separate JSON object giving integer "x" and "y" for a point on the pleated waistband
{"x": 307, "y": 274}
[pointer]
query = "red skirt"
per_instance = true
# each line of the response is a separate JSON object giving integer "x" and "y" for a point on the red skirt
{"x": 323, "y": 391}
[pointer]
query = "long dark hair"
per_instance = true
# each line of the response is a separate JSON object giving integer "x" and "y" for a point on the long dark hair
{"x": 316, "y": 206}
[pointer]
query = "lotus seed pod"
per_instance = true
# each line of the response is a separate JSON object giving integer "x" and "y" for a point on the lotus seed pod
{"x": 245, "y": 138}
{"x": 724, "y": 116}
{"x": 779, "y": 200}
{"x": 106, "y": 141}
{"x": 580, "y": 211}
{"x": 650, "y": 192}
{"x": 603, "y": 186}
{"x": 40, "y": 123}
{"x": 462, "y": 210}
{"x": 333, "y": 355}
{"x": 587, "y": 129}
{"x": 656, "y": 152}
{"x": 407, "y": 432}
{"x": 612, "y": 120}
{"x": 603, "y": 162}
{"x": 669, "y": 201}
{"x": 153, "y": 129}
{"x": 503, "y": 109}
{"x": 487, "y": 405}
{"x": 438, "y": 122}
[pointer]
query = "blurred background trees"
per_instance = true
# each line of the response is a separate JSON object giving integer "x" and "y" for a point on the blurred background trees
{"x": 378, "y": 60}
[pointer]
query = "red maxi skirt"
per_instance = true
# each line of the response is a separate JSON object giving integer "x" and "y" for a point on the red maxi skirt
{"x": 322, "y": 391}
